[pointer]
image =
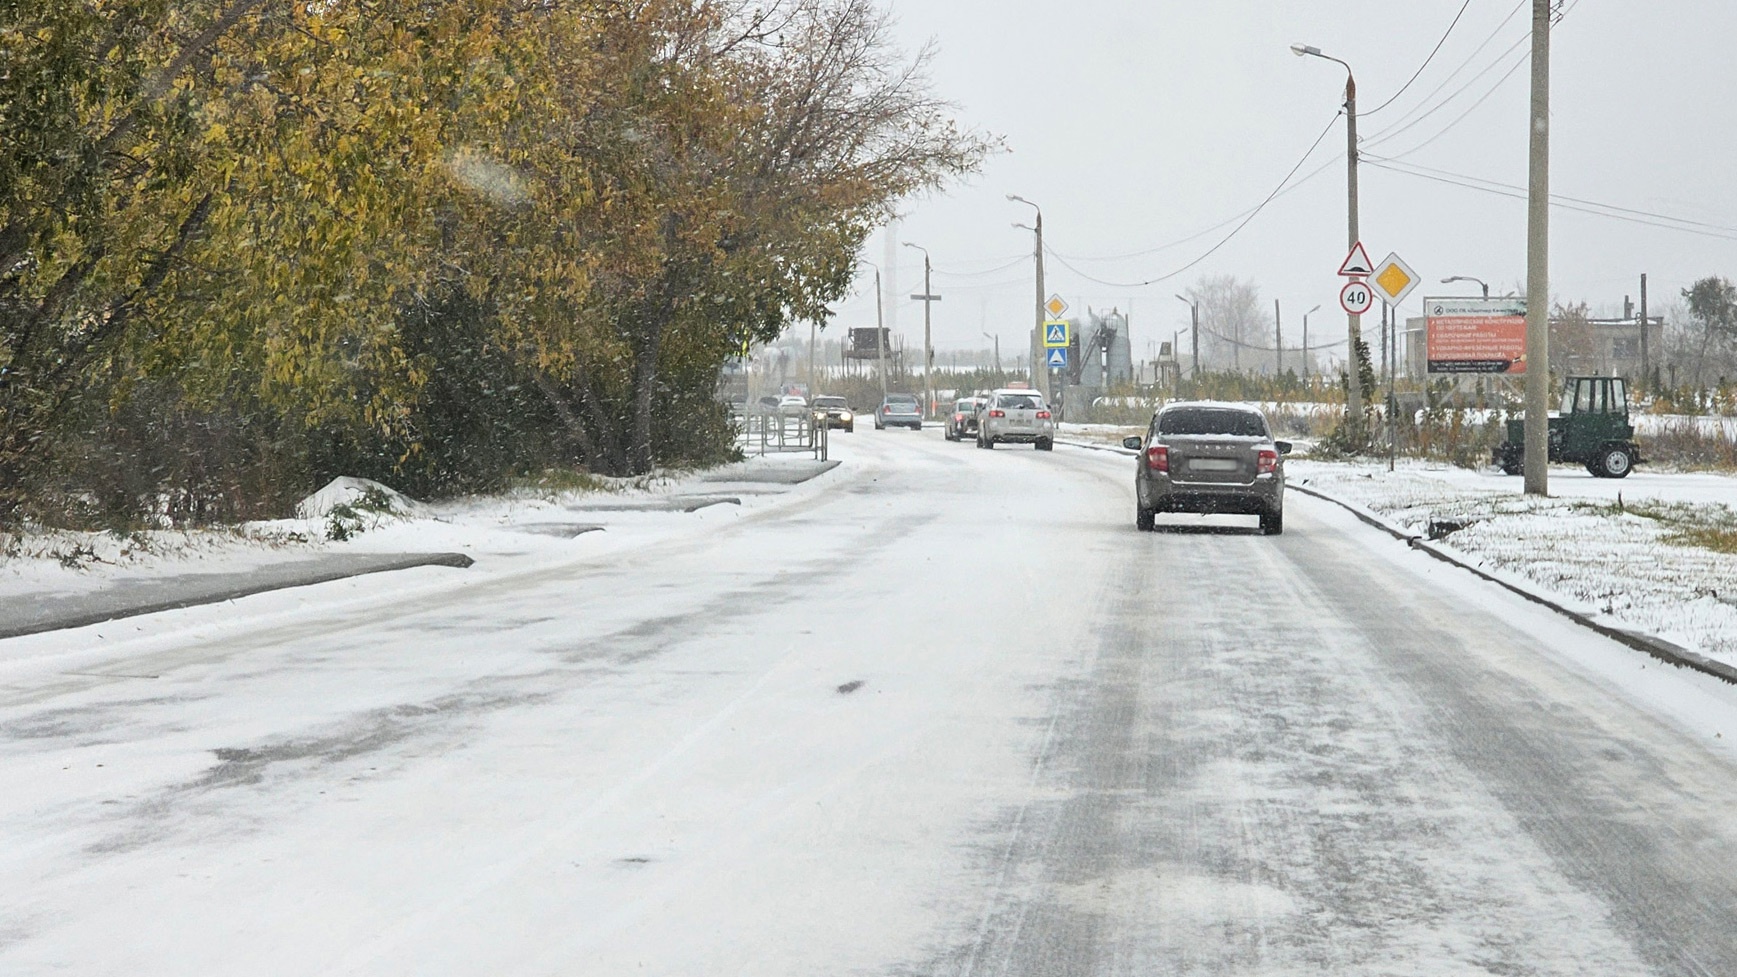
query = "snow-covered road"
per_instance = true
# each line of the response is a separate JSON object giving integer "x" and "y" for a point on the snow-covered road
{"x": 947, "y": 713}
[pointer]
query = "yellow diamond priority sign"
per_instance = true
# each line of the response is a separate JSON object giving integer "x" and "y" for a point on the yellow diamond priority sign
{"x": 1055, "y": 307}
{"x": 1393, "y": 279}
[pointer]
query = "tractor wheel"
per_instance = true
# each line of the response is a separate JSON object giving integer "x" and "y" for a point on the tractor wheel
{"x": 1614, "y": 461}
{"x": 1512, "y": 463}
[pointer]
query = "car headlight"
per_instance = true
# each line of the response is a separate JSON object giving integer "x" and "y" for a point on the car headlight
{"x": 846, "y": 415}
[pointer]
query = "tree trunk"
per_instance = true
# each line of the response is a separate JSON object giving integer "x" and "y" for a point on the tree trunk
{"x": 639, "y": 453}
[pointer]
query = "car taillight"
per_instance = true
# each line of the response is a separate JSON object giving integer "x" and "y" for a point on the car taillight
{"x": 997, "y": 413}
{"x": 1043, "y": 415}
{"x": 958, "y": 417}
{"x": 887, "y": 409}
{"x": 1266, "y": 461}
{"x": 1158, "y": 458}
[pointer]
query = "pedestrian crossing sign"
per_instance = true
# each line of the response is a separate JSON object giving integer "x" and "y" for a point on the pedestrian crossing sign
{"x": 1055, "y": 334}
{"x": 1057, "y": 359}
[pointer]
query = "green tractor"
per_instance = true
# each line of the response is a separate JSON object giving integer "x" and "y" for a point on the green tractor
{"x": 1593, "y": 430}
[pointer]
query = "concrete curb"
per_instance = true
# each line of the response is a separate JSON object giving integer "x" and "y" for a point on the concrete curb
{"x": 1113, "y": 449}
{"x": 367, "y": 565}
{"x": 1666, "y": 651}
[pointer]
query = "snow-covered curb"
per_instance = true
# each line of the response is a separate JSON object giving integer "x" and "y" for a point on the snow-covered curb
{"x": 1666, "y": 651}
{"x": 1645, "y": 554}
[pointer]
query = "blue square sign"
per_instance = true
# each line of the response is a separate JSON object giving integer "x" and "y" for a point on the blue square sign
{"x": 1056, "y": 359}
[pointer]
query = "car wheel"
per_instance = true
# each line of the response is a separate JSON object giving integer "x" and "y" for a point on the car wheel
{"x": 989, "y": 443}
{"x": 1615, "y": 462}
{"x": 1273, "y": 523}
{"x": 1045, "y": 444}
{"x": 1145, "y": 519}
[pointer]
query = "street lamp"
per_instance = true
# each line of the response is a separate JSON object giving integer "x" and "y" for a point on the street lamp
{"x": 997, "y": 341}
{"x": 1194, "y": 322}
{"x": 928, "y": 298}
{"x": 1038, "y": 372}
{"x": 1467, "y": 278}
{"x": 1354, "y": 322}
{"x": 1306, "y": 316}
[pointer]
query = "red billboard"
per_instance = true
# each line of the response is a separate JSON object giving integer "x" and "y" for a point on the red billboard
{"x": 1476, "y": 335}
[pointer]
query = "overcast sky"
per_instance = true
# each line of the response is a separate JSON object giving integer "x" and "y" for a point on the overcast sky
{"x": 1137, "y": 124}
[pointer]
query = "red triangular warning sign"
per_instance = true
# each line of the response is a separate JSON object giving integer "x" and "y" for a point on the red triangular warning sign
{"x": 1357, "y": 263}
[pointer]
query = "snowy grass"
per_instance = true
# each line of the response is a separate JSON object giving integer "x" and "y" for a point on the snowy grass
{"x": 1667, "y": 566}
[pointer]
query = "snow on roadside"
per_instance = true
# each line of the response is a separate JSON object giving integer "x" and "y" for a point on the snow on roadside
{"x": 358, "y": 516}
{"x": 1623, "y": 556}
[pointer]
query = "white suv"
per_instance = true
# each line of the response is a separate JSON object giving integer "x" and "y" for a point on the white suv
{"x": 1016, "y": 416}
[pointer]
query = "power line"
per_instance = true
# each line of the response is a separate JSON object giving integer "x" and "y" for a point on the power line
{"x": 1463, "y": 65}
{"x": 1575, "y": 204}
{"x": 1391, "y": 133}
{"x": 1022, "y": 259}
{"x": 1463, "y": 115}
{"x": 1227, "y": 238}
{"x": 1426, "y": 61}
{"x": 1066, "y": 259}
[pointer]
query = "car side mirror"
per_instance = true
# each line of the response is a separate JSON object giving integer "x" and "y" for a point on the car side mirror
{"x": 1132, "y": 444}
{"x": 1283, "y": 446}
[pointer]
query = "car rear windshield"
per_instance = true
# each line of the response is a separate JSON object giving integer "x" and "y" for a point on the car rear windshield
{"x": 1207, "y": 420}
{"x": 901, "y": 399}
{"x": 965, "y": 406}
{"x": 1018, "y": 402}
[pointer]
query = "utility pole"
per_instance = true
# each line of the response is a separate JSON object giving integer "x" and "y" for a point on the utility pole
{"x": 1645, "y": 377}
{"x": 1306, "y": 316}
{"x": 1194, "y": 324}
{"x": 1278, "y": 342}
{"x": 928, "y": 298}
{"x": 880, "y": 335}
{"x": 1354, "y": 322}
{"x": 1039, "y": 371}
{"x": 1537, "y": 456}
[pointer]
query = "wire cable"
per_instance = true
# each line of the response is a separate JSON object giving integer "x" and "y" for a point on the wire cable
{"x": 1463, "y": 115}
{"x": 1022, "y": 259}
{"x": 1433, "y": 52}
{"x": 1575, "y": 204}
{"x": 1227, "y": 238}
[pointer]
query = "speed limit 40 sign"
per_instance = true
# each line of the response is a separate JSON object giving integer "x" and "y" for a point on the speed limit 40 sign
{"x": 1356, "y": 297}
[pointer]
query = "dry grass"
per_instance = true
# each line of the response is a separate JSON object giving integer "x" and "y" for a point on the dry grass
{"x": 1684, "y": 444}
{"x": 1709, "y": 527}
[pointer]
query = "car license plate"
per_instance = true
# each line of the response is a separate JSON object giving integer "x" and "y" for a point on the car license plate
{"x": 1213, "y": 465}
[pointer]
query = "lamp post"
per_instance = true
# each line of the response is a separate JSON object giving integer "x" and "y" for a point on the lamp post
{"x": 1038, "y": 373}
{"x": 880, "y": 328}
{"x": 928, "y": 298}
{"x": 1194, "y": 323}
{"x": 1306, "y": 316}
{"x": 1354, "y": 322}
{"x": 1449, "y": 280}
{"x": 997, "y": 341}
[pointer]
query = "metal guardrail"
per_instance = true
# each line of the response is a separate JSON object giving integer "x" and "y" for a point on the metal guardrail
{"x": 768, "y": 431}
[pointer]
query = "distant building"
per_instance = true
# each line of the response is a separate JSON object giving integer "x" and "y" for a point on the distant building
{"x": 1614, "y": 347}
